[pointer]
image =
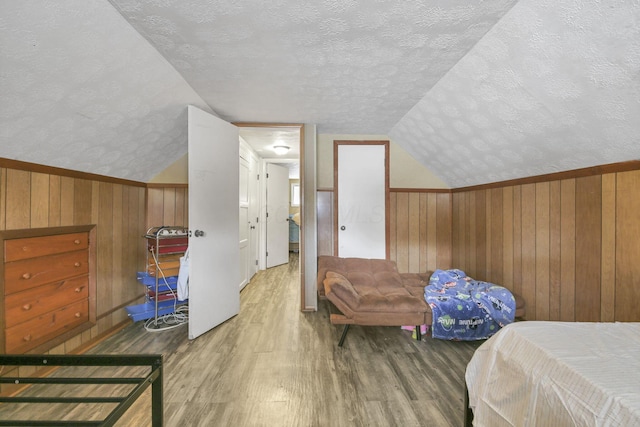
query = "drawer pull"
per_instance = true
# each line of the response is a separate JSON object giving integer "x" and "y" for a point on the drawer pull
{"x": 77, "y": 264}
{"x": 26, "y": 276}
{"x": 27, "y": 338}
{"x": 78, "y": 290}
{"x": 78, "y": 315}
{"x": 26, "y": 307}
{"x": 77, "y": 241}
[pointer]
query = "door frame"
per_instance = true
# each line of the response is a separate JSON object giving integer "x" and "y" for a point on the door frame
{"x": 301, "y": 258}
{"x": 336, "y": 144}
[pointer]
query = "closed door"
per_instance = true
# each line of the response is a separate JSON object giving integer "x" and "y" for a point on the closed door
{"x": 361, "y": 185}
{"x": 213, "y": 221}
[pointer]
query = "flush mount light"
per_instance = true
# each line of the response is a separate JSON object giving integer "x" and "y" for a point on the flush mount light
{"x": 281, "y": 149}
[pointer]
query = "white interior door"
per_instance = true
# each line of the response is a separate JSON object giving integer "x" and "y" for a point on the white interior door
{"x": 254, "y": 212}
{"x": 213, "y": 221}
{"x": 244, "y": 221}
{"x": 361, "y": 201}
{"x": 277, "y": 215}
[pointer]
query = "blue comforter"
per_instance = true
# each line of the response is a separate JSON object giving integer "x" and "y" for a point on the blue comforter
{"x": 467, "y": 309}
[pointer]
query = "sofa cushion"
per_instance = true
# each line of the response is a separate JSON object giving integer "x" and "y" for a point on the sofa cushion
{"x": 356, "y": 270}
{"x": 378, "y": 293}
{"x": 414, "y": 283}
{"x": 341, "y": 287}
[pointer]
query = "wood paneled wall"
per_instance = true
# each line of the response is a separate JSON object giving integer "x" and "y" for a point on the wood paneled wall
{"x": 420, "y": 230}
{"x": 167, "y": 205}
{"x": 31, "y": 199}
{"x": 570, "y": 247}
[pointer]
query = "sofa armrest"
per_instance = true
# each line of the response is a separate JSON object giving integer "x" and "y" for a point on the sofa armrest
{"x": 341, "y": 287}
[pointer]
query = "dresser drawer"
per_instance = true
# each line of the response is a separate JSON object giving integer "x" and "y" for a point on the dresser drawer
{"x": 23, "y": 306}
{"x": 29, "y": 273}
{"x": 32, "y": 247}
{"x": 25, "y": 336}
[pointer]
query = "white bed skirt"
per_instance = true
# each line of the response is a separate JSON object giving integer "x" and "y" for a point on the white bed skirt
{"x": 557, "y": 374}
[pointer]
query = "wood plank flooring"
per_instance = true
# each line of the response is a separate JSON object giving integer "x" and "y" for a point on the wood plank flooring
{"x": 273, "y": 365}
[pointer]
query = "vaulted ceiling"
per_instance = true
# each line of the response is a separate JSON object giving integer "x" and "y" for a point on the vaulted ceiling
{"x": 476, "y": 91}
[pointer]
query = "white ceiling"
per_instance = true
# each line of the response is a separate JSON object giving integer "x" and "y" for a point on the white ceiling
{"x": 476, "y": 91}
{"x": 263, "y": 139}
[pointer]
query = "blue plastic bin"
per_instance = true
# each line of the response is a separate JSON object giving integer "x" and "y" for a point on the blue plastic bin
{"x": 150, "y": 282}
{"x": 147, "y": 310}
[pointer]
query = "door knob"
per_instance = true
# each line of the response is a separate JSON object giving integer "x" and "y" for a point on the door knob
{"x": 343, "y": 228}
{"x": 199, "y": 233}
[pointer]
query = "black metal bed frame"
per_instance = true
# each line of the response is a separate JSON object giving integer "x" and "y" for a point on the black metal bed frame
{"x": 153, "y": 379}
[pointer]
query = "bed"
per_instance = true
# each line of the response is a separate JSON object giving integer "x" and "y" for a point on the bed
{"x": 556, "y": 374}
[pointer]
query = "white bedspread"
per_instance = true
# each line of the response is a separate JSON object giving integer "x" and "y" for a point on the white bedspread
{"x": 557, "y": 374}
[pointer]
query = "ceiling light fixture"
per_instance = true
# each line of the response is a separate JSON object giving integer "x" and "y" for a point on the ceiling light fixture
{"x": 281, "y": 149}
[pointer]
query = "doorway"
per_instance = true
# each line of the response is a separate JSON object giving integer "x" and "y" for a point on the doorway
{"x": 263, "y": 139}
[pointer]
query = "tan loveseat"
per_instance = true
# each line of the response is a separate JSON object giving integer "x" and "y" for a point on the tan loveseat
{"x": 372, "y": 292}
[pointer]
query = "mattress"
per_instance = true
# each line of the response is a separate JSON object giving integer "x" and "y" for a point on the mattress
{"x": 557, "y": 374}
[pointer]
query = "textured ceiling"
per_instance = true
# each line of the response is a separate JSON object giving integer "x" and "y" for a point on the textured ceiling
{"x": 82, "y": 90}
{"x": 476, "y": 91}
{"x": 263, "y": 139}
{"x": 554, "y": 86}
{"x": 351, "y": 66}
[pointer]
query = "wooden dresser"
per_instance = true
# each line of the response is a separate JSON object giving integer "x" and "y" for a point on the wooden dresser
{"x": 48, "y": 289}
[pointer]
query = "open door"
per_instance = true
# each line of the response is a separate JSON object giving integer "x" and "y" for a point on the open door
{"x": 277, "y": 215}
{"x": 254, "y": 213}
{"x": 245, "y": 222}
{"x": 214, "y": 295}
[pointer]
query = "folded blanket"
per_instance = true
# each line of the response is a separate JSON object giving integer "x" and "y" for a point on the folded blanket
{"x": 467, "y": 309}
